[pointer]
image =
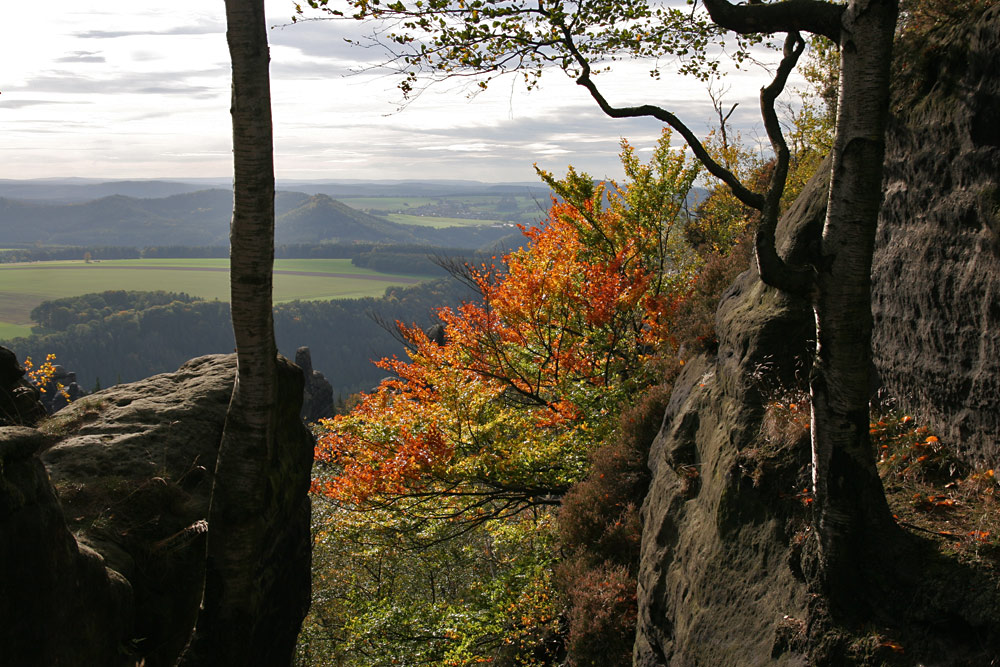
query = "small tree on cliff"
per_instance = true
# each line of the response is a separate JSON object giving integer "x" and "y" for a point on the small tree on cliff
{"x": 225, "y": 632}
{"x": 443, "y": 38}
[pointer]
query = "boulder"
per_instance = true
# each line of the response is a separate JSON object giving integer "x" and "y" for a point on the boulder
{"x": 717, "y": 582}
{"x": 133, "y": 468}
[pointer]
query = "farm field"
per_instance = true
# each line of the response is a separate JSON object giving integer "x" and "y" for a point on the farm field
{"x": 437, "y": 221}
{"x": 450, "y": 211}
{"x": 25, "y": 286}
{"x": 8, "y": 331}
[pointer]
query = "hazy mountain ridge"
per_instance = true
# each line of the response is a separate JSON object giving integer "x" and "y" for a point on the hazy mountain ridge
{"x": 77, "y": 190}
{"x": 201, "y": 218}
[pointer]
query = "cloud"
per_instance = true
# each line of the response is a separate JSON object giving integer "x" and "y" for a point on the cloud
{"x": 200, "y": 28}
{"x": 201, "y": 92}
{"x": 326, "y": 40}
{"x": 82, "y": 57}
{"x": 166, "y": 83}
{"x": 21, "y": 103}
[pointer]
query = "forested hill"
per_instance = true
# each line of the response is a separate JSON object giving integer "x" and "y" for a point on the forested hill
{"x": 202, "y": 219}
{"x": 124, "y": 336}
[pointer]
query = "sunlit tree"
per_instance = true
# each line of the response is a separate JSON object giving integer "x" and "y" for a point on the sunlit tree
{"x": 465, "y": 453}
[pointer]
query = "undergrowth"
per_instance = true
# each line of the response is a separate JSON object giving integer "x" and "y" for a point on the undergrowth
{"x": 933, "y": 493}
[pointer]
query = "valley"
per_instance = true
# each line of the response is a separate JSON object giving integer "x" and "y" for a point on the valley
{"x": 23, "y": 286}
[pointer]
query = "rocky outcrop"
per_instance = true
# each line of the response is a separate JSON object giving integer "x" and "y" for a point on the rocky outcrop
{"x": 60, "y": 603}
{"x": 936, "y": 273}
{"x": 20, "y": 401}
{"x": 727, "y": 573}
{"x": 133, "y": 468}
{"x": 61, "y": 390}
{"x": 718, "y": 579}
{"x": 317, "y": 400}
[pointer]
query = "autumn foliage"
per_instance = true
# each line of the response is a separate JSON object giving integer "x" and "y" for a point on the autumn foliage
{"x": 475, "y": 440}
{"x": 530, "y": 379}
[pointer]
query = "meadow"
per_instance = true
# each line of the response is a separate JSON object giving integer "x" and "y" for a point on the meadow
{"x": 452, "y": 210}
{"x": 24, "y": 286}
{"x": 436, "y": 221}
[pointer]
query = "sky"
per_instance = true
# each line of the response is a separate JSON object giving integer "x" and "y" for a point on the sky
{"x": 140, "y": 90}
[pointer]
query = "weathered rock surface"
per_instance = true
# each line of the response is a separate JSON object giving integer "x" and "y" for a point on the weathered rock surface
{"x": 726, "y": 560}
{"x": 717, "y": 580}
{"x": 936, "y": 273}
{"x": 60, "y": 604}
{"x": 133, "y": 468}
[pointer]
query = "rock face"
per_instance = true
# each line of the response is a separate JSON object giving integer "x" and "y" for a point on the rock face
{"x": 60, "y": 604}
{"x": 718, "y": 580}
{"x": 133, "y": 469}
{"x": 937, "y": 263}
{"x": 727, "y": 558}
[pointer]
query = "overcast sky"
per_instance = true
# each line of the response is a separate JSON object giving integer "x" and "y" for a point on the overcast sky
{"x": 100, "y": 89}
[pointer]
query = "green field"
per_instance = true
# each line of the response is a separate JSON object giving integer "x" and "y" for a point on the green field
{"x": 24, "y": 286}
{"x": 8, "y": 331}
{"x": 437, "y": 221}
{"x": 386, "y": 203}
{"x": 451, "y": 210}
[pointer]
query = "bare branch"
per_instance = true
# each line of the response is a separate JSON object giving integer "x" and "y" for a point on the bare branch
{"x": 798, "y": 280}
{"x": 748, "y": 197}
{"x": 815, "y": 16}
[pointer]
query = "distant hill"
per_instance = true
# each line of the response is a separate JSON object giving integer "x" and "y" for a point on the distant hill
{"x": 193, "y": 218}
{"x": 81, "y": 190}
{"x": 201, "y": 218}
{"x": 83, "y": 212}
{"x": 321, "y": 218}
{"x": 67, "y": 190}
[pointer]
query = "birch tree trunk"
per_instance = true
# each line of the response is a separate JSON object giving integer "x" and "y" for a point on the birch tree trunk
{"x": 225, "y": 632}
{"x": 851, "y": 508}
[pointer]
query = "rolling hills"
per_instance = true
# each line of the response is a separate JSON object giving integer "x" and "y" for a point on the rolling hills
{"x": 201, "y": 218}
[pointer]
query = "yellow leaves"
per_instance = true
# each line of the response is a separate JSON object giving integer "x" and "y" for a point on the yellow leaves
{"x": 527, "y": 382}
{"x": 42, "y": 376}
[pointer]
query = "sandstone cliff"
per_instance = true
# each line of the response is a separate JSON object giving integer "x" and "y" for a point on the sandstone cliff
{"x": 110, "y": 572}
{"x": 936, "y": 273}
{"x": 726, "y": 566}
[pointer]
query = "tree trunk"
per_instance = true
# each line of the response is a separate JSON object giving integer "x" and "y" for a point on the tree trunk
{"x": 225, "y": 632}
{"x": 851, "y": 508}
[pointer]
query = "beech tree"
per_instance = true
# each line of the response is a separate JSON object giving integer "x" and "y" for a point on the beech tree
{"x": 450, "y": 472}
{"x": 225, "y": 633}
{"x": 487, "y": 38}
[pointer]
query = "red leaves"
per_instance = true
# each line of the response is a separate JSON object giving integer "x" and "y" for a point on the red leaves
{"x": 529, "y": 379}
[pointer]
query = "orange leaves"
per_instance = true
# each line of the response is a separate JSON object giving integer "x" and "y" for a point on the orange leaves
{"x": 370, "y": 467}
{"x": 530, "y": 379}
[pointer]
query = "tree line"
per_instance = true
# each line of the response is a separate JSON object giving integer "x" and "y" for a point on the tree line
{"x": 120, "y": 336}
{"x": 410, "y": 258}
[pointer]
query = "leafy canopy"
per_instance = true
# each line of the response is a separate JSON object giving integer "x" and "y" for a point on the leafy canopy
{"x": 528, "y": 381}
{"x": 489, "y": 38}
{"x": 437, "y": 492}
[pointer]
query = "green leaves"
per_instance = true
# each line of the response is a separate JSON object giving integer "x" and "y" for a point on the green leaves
{"x": 489, "y": 38}
{"x": 438, "y": 491}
